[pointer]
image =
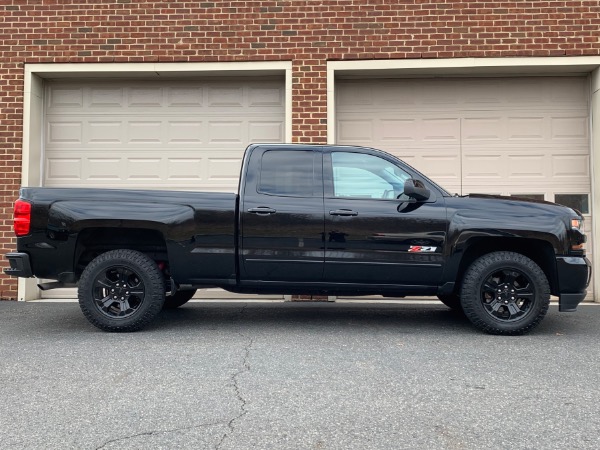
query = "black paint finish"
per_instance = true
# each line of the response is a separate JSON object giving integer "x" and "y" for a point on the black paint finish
{"x": 288, "y": 232}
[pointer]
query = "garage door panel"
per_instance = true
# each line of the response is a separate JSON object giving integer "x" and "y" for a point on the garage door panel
{"x": 181, "y": 132}
{"x": 572, "y": 166}
{"x": 263, "y": 96}
{"x": 104, "y": 132}
{"x": 64, "y": 132}
{"x": 439, "y": 129}
{"x": 483, "y": 129}
{"x": 64, "y": 170}
{"x": 528, "y": 128}
{"x": 566, "y": 93}
{"x": 355, "y": 130}
{"x": 397, "y": 130}
{"x": 144, "y": 131}
{"x": 524, "y": 168}
{"x": 187, "y": 97}
{"x": 265, "y": 131}
{"x": 571, "y": 128}
{"x": 483, "y": 168}
{"x": 148, "y": 96}
{"x": 225, "y": 132}
{"x": 64, "y": 97}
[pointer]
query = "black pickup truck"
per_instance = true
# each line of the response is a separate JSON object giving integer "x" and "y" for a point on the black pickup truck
{"x": 329, "y": 220}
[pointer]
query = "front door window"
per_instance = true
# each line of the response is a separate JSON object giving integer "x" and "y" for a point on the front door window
{"x": 357, "y": 175}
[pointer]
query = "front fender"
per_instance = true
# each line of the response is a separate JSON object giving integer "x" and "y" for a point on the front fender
{"x": 476, "y": 232}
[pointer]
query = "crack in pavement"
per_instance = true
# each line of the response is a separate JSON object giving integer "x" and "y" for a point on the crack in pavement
{"x": 150, "y": 433}
{"x": 230, "y": 424}
{"x": 234, "y": 381}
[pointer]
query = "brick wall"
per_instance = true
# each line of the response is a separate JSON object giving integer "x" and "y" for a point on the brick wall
{"x": 308, "y": 32}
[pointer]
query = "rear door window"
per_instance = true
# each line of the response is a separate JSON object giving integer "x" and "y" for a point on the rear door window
{"x": 289, "y": 173}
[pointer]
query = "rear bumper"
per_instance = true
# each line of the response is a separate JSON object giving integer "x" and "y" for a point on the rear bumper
{"x": 20, "y": 265}
{"x": 574, "y": 274}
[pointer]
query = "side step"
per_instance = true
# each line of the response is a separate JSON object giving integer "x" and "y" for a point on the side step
{"x": 54, "y": 285}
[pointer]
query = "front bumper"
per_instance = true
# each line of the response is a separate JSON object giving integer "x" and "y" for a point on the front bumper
{"x": 574, "y": 274}
{"x": 20, "y": 265}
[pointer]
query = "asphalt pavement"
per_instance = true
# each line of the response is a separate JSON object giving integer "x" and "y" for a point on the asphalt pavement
{"x": 297, "y": 376}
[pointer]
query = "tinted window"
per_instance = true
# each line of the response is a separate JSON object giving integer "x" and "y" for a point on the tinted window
{"x": 287, "y": 173}
{"x": 366, "y": 176}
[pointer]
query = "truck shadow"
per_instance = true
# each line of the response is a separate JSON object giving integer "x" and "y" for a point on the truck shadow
{"x": 240, "y": 317}
{"x": 398, "y": 318}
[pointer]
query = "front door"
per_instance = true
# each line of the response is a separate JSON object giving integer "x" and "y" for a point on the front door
{"x": 282, "y": 217}
{"x": 374, "y": 233}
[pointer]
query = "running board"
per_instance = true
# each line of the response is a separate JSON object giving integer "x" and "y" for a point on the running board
{"x": 54, "y": 285}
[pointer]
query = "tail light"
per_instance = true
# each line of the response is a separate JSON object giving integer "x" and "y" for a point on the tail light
{"x": 22, "y": 217}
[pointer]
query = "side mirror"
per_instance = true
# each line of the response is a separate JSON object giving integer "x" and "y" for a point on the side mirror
{"x": 416, "y": 189}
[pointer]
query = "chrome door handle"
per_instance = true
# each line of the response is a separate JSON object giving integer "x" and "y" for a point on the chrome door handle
{"x": 262, "y": 211}
{"x": 343, "y": 212}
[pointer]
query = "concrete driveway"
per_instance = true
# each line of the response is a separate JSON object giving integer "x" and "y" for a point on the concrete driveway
{"x": 290, "y": 375}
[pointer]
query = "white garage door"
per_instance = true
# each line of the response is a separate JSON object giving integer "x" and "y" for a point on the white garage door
{"x": 178, "y": 134}
{"x": 156, "y": 134}
{"x": 509, "y": 136}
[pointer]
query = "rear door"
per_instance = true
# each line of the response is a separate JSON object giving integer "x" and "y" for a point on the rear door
{"x": 282, "y": 216}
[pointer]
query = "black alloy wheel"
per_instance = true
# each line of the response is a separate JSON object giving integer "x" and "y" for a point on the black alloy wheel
{"x": 505, "y": 293}
{"x": 508, "y": 294}
{"x": 121, "y": 290}
{"x": 118, "y": 292}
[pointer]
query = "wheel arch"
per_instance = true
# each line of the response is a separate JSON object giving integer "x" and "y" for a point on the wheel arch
{"x": 539, "y": 251}
{"x": 94, "y": 241}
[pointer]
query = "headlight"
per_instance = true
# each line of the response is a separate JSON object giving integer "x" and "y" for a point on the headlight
{"x": 577, "y": 235}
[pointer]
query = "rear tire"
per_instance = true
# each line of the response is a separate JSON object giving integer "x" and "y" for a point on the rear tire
{"x": 180, "y": 298}
{"x": 121, "y": 290}
{"x": 505, "y": 293}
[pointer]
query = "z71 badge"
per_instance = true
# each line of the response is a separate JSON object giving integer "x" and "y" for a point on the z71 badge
{"x": 421, "y": 249}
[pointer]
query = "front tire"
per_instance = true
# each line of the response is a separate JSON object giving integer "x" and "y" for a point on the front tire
{"x": 121, "y": 290}
{"x": 505, "y": 293}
